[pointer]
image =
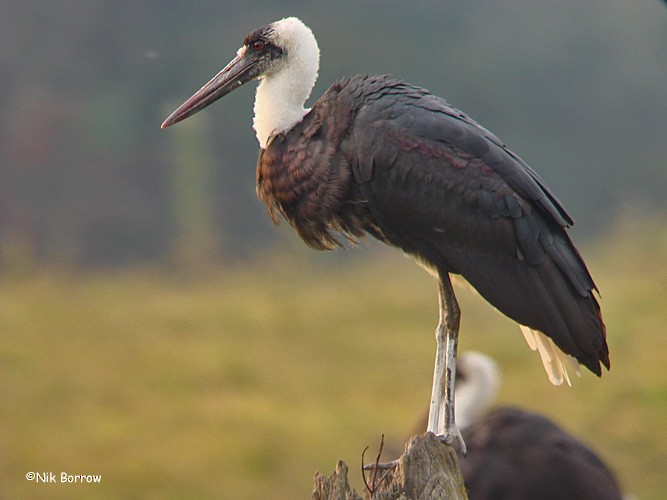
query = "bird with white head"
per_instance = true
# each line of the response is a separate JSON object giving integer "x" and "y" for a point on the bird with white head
{"x": 382, "y": 157}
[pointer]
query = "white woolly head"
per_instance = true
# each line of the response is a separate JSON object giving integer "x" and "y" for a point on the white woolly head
{"x": 284, "y": 56}
{"x": 477, "y": 383}
{"x": 288, "y": 81}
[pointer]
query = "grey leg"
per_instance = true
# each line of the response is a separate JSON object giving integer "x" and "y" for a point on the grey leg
{"x": 441, "y": 420}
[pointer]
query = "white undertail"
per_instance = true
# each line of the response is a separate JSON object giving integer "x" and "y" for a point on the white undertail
{"x": 282, "y": 93}
{"x": 554, "y": 360}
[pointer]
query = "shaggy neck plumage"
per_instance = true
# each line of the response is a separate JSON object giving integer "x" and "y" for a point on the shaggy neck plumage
{"x": 282, "y": 93}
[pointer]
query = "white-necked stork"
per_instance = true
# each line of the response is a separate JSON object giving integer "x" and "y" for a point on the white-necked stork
{"x": 379, "y": 156}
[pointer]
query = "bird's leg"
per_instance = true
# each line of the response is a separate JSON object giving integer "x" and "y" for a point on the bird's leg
{"x": 441, "y": 420}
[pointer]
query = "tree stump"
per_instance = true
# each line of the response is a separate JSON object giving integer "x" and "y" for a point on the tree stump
{"x": 428, "y": 470}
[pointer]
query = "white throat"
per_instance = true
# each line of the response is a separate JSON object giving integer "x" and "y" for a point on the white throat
{"x": 282, "y": 93}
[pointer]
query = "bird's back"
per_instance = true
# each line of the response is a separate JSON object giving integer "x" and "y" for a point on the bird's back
{"x": 515, "y": 454}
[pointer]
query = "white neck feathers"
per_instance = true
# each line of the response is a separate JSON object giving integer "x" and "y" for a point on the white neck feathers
{"x": 282, "y": 93}
{"x": 475, "y": 394}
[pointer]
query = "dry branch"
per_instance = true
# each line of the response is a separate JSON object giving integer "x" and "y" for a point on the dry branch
{"x": 428, "y": 470}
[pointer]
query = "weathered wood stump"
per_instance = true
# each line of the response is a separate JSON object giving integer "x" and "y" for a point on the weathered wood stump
{"x": 428, "y": 470}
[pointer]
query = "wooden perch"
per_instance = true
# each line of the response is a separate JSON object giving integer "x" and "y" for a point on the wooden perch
{"x": 428, "y": 470}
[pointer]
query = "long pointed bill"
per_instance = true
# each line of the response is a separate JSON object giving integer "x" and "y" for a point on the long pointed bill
{"x": 239, "y": 71}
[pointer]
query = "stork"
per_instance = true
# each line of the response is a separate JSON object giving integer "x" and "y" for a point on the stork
{"x": 517, "y": 454}
{"x": 378, "y": 156}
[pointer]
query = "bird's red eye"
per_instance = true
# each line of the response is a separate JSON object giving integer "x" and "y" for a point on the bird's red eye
{"x": 258, "y": 45}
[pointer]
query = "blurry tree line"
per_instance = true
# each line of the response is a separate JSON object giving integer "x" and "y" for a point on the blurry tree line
{"x": 88, "y": 178}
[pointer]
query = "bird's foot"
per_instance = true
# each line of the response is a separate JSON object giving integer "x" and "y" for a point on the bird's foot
{"x": 453, "y": 436}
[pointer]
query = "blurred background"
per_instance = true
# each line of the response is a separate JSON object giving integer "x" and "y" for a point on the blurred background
{"x": 155, "y": 328}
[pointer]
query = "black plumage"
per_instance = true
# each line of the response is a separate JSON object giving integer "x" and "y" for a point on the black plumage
{"x": 519, "y": 455}
{"x": 376, "y": 155}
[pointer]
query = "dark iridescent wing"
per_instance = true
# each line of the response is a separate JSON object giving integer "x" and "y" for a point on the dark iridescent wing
{"x": 446, "y": 190}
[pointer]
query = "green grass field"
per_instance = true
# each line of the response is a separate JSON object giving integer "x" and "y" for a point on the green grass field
{"x": 242, "y": 384}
